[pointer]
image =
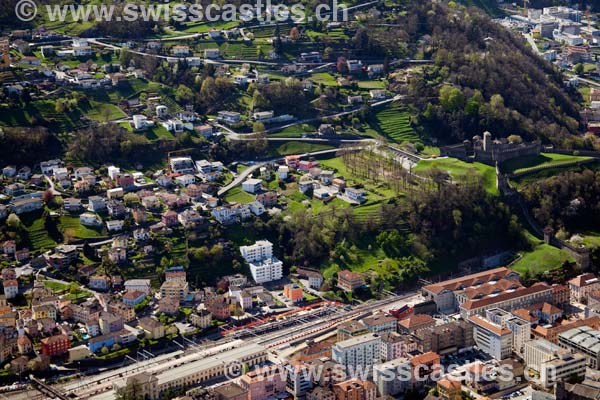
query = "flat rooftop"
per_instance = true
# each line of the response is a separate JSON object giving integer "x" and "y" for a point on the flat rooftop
{"x": 220, "y": 359}
{"x": 353, "y": 341}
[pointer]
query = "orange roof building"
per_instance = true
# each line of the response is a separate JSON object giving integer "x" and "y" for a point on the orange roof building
{"x": 446, "y": 294}
{"x": 449, "y": 389}
{"x": 416, "y": 323}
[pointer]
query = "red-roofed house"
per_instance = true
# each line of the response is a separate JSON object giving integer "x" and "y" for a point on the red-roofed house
{"x": 133, "y": 298}
{"x": 11, "y": 288}
{"x": 424, "y": 366}
{"x": 350, "y": 281}
{"x": 583, "y": 285}
{"x": 416, "y": 323}
{"x": 55, "y": 345}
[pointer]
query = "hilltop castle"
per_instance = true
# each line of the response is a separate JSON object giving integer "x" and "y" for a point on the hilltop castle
{"x": 489, "y": 151}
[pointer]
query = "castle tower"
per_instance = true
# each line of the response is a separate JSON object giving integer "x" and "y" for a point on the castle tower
{"x": 548, "y": 235}
{"x": 487, "y": 141}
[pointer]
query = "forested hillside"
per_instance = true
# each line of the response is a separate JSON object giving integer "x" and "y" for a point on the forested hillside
{"x": 484, "y": 77}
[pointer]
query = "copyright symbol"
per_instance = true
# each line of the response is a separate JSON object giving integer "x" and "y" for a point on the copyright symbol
{"x": 26, "y": 10}
{"x": 233, "y": 370}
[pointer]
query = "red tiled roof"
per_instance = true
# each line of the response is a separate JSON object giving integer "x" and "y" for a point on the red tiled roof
{"x": 487, "y": 289}
{"x": 132, "y": 294}
{"x": 583, "y": 280}
{"x": 425, "y": 358}
{"x": 469, "y": 280}
{"x": 54, "y": 339}
{"x": 449, "y": 384}
{"x": 416, "y": 320}
{"x": 473, "y": 304}
{"x": 349, "y": 275}
{"x": 524, "y": 314}
{"x": 498, "y": 330}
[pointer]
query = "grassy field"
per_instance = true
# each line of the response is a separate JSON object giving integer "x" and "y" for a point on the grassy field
{"x": 276, "y": 149}
{"x": 457, "y": 168}
{"x": 72, "y": 290}
{"x": 70, "y": 226}
{"x": 158, "y": 132}
{"x": 368, "y": 85}
{"x": 393, "y": 123}
{"x": 237, "y": 195}
{"x": 543, "y": 258}
{"x": 365, "y": 257}
{"x": 296, "y": 130}
{"x": 523, "y": 164}
{"x": 104, "y": 112}
{"x": 201, "y": 27}
{"x": 324, "y": 78}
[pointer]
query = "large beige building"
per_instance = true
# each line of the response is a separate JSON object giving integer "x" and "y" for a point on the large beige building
{"x": 508, "y": 300}
{"x": 196, "y": 372}
{"x": 448, "y": 295}
{"x": 584, "y": 340}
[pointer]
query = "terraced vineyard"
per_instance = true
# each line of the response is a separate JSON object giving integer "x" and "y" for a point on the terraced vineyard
{"x": 236, "y": 50}
{"x": 38, "y": 237}
{"x": 263, "y": 32}
{"x": 394, "y": 123}
{"x": 61, "y": 121}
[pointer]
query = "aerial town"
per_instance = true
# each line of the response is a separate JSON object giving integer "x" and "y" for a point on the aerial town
{"x": 391, "y": 200}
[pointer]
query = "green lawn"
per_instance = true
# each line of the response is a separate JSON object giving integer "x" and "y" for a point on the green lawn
{"x": 158, "y": 132}
{"x": 99, "y": 110}
{"x": 296, "y": 131}
{"x": 237, "y": 195}
{"x": 276, "y": 149}
{"x": 70, "y": 225}
{"x": 72, "y": 290}
{"x": 457, "y": 168}
{"x": 368, "y": 85}
{"x": 543, "y": 258}
{"x": 523, "y": 164}
{"x": 368, "y": 258}
{"x": 324, "y": 78}
{"x": 104, "y": 112}
{"x": 489, "y": 6}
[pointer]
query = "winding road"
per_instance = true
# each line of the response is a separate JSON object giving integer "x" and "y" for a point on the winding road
{"x": 248, "y": 171}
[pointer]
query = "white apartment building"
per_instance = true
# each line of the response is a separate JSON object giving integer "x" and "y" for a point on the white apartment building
{"x": 252, "y": 185}
{"x": 358, "y": 354}
{"x": 551, "y": 362}
{"x": 260, "y": 250}
{"x": 298, "y": 382}
{"x": 263, "y": 266}
{"x": 521, "y": 329}
{"x": 266, "y": 270}
{"x": 491, "y": 338}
